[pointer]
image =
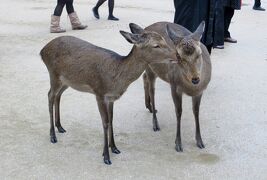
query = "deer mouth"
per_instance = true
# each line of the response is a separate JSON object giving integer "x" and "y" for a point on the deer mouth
{"x": 195, "y": 80}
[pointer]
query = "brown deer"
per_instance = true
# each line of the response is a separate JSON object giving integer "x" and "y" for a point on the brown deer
{"x": 75, "y": 63}
{"x": 191, "y": 75}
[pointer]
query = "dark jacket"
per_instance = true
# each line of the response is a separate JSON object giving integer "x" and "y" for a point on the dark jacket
{"x": 235, "y": 4}
{"x": 190, "y": 13}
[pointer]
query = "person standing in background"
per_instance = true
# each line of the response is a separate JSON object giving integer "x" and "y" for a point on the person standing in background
{"x": 229, "y": 9}
{"x": 218, "y": 41}
{"x": 190, "y": 13}
{"x": 110, "y": 8}
{"x": 257, "y": 5}
{"x": 55, "y": 18}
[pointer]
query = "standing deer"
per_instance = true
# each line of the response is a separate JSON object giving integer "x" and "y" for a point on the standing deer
{"x": 191, "y": 75}
{"x": 72, "y": 62}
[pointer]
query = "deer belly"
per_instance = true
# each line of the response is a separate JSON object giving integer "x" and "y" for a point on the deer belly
{"x": 77, "y": 86}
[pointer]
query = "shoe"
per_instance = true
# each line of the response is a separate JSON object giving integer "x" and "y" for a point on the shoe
{"x": 230, "y": 40}
{"x": 95, "y": 12}
{"x": 75, "y": 22}
{"x": 113, "y": 18}
{"x": 219, "y": 47}
{"x": 258, "y": 8}
{"x": 54, "y": 25}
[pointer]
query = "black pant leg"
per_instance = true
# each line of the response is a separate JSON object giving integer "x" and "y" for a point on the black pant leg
{"x": 257, "y": 3}
{"x": 99, "y": 3}
{"x": 59, "y": 7}
{"x": 218, "y": 32}
{"x": 110, "y": 7}
{"x": 69, "y": 6}
{"x": 228, "y": 14}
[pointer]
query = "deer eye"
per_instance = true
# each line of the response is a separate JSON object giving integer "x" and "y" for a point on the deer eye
{"x": 156, "y": 46}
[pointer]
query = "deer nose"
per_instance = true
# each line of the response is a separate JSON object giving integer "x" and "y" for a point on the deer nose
{"x": 195, "y": 80}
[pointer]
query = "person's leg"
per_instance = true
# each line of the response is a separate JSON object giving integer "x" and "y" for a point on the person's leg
{"x": 55, "y": 18}
{"x": 69, "y": 6}
{"x": 110, "y": 8}
{"x": 59, "y": 8}
{"x": 75, "y": 22}
{"x": 228, "y": 15}
{"x": 257, "y": 5}
{"x": 95, "y": 9}
{"x": 218, "y": 32}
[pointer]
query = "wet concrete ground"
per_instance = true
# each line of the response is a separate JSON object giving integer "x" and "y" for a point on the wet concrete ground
{"x": 233, "y": 111}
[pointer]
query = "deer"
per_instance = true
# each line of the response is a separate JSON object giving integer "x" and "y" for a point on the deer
{"x": 75, "y": 63}
{"x": 190, "y": 76}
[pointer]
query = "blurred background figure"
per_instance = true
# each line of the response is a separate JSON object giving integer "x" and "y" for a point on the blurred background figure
{"x": 55, "y": 18}
{"x": 110, "y": 8}
{"x": 257, "y": 5}
{"x": 190, "y": 13}
{"x": 229, "y": 9}
{"x": 218, "y": 41}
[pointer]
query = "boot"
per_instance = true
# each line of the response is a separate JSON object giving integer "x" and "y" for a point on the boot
{"x": 54, "y": 27}
{"x": 75, "y": 22}
{"x": 113, "y": 18}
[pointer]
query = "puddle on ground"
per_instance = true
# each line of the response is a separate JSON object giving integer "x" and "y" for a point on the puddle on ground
{"x": 207, "y": 158}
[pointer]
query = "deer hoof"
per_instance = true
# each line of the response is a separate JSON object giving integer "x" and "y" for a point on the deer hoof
{"x": 200, "y": 145}
{"x": 149, "y": 108}
{"x": 156, "y": 128}
{"x": 155, "y": 124}
{"x": 53, "y": 139}
{"x": 179, "y": 148}
{"x": 115, "y": 150}
{"x": 107, "y": 161}
{"x": 61, "y": 129}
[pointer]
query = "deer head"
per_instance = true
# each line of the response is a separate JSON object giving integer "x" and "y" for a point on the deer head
{"x": 189, "y": 50}
{"x": 151, "y": 45}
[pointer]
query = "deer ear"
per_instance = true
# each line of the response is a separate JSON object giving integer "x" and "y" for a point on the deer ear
{"x": 197, "y": 35}
{"x": 135, "y": 29}
{"x": 131, "y": 38}
{"x": 173, "y": 36}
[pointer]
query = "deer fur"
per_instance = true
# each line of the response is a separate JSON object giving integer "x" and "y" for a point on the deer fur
{"x": 72, "y": 62}
{"x": 191, "y": 75}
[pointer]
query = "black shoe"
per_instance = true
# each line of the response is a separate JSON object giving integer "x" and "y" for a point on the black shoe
{"x": 113, "y": 18}
{"x": 95, "y": 12}
{"x": 258, "y": 8}
{"x": 230, "y": 40}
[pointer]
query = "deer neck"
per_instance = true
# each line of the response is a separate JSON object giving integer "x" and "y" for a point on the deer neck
{"x": 132, "y": 66}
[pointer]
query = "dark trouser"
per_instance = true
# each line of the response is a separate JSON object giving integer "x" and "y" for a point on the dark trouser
{"x": 60, "y": 6}
{"x": 218, "y": 32}
{"x": 110, "y": 5}
{"x": 228, "y": 14}
{"x": 257, "y": 3}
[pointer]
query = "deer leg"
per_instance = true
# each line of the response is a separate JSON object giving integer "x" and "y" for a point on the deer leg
{"x": 152, "y": 98}
{"x": 196, "y": 100}
{"x": 51, "y": 100}
{"x": 102, "y": 107}
{"x": 151, "y": 79}
{"x": 146, "y": 88}
{"x": 112, "y": 145}
{"x": 177, "y": 99}
{"x": 57, "y": 110}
